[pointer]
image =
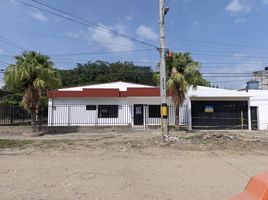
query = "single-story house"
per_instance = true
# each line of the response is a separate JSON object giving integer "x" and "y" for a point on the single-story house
{"x": 137, "y": 105}
{"x": 259, "y": 109}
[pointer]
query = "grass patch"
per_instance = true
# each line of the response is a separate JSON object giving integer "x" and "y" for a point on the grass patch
{"x": 6, "y": 143}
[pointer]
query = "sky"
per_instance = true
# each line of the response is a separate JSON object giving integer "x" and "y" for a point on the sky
{"x": 225, "y": 36}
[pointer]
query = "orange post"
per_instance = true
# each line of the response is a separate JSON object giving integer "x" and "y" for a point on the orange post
{"x": 256, "y": 189}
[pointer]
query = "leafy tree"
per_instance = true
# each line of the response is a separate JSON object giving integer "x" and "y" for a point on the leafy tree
{"x": 101, "y": 72}
{"x": 182, "y": 72}
{"x": 31, "y": 75}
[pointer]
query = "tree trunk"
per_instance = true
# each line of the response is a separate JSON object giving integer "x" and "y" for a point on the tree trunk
{"x": 33, "y": 120}
{"x": 177, "y": 116}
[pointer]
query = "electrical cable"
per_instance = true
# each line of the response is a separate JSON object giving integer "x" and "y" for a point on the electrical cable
{"x": 5, "y": 40}
{"x": 85, "y": 22}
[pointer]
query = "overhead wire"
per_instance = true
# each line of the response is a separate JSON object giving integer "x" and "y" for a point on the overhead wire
{"x": 81, "y": 21}
{"x": 216, "y": 43}
{"x": 98, "y": 52}
{"x": 85, "y": 40}
{"x": 13, "y": 44}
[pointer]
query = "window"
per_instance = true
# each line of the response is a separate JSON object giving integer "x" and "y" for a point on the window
{"x": 108, "y": 111}
{"x": 154, "y": 111}
{"x": 91, "y": 107}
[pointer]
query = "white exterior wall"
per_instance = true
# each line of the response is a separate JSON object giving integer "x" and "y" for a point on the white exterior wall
{"x": 262, "y": 113}
{"x": 259, "y": 99}
{"x": 72, "y": 111}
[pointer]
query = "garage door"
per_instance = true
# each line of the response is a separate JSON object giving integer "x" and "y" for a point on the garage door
{"x": 219, "y": 114}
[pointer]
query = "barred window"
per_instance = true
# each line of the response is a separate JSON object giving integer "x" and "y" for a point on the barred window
{"x": 154, "y": 111}
{"x": 91, "y": 107}
{"x": 108, "y": 111}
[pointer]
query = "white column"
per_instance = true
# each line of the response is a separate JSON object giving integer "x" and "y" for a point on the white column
{"x": 249, "y": 116}
{"x": 189, "y": 115}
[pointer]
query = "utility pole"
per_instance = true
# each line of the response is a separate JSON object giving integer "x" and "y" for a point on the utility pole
{"x": 163, "y": 92}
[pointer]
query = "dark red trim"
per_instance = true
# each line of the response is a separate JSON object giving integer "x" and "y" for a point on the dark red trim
{"x": 85, "y": 93}
{"x": 123, "y": 93}
{"x": 101, "y": 92}
{"x": 143, "y": 92}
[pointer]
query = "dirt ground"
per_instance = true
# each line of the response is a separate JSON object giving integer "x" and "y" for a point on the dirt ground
{"x": 196, "y": 166}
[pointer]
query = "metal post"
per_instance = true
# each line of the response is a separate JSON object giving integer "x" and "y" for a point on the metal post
{"x": 163, "y": 93}
{"x": 242, "y": 121}
{"x": 249, "y": 116}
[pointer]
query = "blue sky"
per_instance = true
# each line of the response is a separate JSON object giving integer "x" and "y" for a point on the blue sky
{"x": 225, "y": 35}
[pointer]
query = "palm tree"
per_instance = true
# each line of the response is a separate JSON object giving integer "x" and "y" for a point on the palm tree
{"x": 182, "y": 73}
{"x": 32, "y": 74}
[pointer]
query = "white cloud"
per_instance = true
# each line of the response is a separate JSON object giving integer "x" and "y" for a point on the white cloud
{"x": 239, "y": 55}
{"x": 36, "y": 14}
{"x": 146, "y": 32}
{"x": 183, "y": 1}
{"x": 2, "y": 51}
{"x": 129, "y": 17}
{"x": 196, "y": 23}
{"x": 237, "y": 6}
{"x": 240, "y": 20}
{"x": 73, "y": 35}
{"x": 245, "y": 64}
{"x": 108, "y": 40}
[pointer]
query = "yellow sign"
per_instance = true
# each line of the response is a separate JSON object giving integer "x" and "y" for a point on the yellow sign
{"x": 209, "y": 109}
{"x": 164, "y": 111}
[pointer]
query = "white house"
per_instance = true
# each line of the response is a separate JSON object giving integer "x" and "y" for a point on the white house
{"x": 259, "y": 109}
{"x": 136, "y": 105}
{"x": 106, "y": 104}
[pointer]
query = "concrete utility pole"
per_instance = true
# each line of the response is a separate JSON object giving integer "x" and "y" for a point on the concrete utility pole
{"x": 163, "y": 92}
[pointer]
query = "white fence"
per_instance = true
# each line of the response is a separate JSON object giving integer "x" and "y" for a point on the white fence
{"x": 113, "y": 115}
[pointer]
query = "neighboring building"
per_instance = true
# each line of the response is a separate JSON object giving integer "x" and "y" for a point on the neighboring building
{"x": 4, "y": 93}
{"x": 252, "y": 85}
{"x": 259, "y": 109}
{"x": 135, "y": 105}
{"x": 259, "y": 80}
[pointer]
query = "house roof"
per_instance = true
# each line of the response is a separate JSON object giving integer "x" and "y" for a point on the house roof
{"x": 114, "y": 89}
{"x": 202, "y": 91}
{"x": 122, "y": 86}
{"x": 124, "y": 89}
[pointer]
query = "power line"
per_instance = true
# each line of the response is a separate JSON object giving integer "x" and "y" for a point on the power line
{"x": 82, "y": 21}
{"x": 4, "y": 62}
{"x": 42, "y": 34}
{"x": 76, "y": 39}
{"x": 13, "y": 44}
{"x": 216, "y": 43}
{"x": 229, "y": 81}
{"x": 87, "y": 53}
{"x": 91, "y": 23}
{"x": 124, "y": 62}
{"x": 55, "y": 36}
{"x": 97, "y": 53}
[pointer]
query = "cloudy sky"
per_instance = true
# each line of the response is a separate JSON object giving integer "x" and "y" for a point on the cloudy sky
{"x": 226, "y": 36}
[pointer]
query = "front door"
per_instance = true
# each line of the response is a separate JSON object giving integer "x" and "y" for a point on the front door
{"x": 138, "y": 114}
{"x": 254, "y": 118}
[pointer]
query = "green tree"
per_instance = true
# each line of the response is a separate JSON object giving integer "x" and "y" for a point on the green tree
{"x": 31, "y": 75}
{"x": 102, "y": 72}
{"x": 182, "y": 72}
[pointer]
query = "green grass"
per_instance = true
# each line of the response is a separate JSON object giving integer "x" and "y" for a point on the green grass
{"x": 6, "y": 143}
